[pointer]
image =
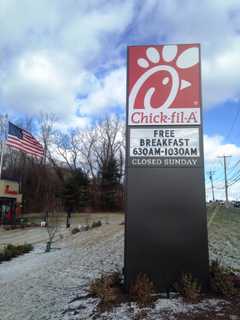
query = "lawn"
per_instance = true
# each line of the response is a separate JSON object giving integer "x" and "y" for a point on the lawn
{"x": 224, "y": 236}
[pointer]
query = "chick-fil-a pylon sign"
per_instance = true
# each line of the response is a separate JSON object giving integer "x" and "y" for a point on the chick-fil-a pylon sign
{"x": 166, "y": 223}
{"x": 163, "y": 85}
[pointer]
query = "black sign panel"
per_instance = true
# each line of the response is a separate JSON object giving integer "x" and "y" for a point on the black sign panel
{"x": 166, "y": 227}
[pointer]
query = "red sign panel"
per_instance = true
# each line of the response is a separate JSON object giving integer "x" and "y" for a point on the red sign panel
{"x": 8, "y": 190}
{"x": 164, "y": 85}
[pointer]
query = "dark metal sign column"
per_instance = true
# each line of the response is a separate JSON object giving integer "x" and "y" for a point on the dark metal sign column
{"x": 166, "y": 229}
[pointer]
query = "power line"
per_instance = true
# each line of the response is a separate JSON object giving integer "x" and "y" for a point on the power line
{"x": 235, "y": 174}
{"x": 237, "y": 178}
{"x": 233, "y": 123}
{"x": 233, "y": 169}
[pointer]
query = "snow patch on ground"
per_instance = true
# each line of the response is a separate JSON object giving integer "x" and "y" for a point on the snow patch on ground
{"x": 39, "y": 286}
{"x": 163, "y": 309}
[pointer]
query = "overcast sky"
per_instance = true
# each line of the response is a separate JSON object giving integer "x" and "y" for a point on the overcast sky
{"x": 69, "y": 57}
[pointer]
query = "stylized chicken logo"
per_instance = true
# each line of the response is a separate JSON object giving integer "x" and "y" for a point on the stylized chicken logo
{"x": 159, "y": 80}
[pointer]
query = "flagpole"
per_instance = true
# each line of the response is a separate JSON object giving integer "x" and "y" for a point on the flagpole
{"x": 3, "y": 143}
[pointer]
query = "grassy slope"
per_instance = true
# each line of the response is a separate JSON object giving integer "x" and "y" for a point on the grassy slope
{"x": 224, "y": 236}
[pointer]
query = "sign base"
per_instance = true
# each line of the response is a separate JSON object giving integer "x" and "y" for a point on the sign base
{"x": 166, "y": 232}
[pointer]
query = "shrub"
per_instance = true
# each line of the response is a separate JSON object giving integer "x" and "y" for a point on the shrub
{"x": 11, "y": 251}
{"x": 108, "y": 289}
{"x": 96, "y": 224}
{"x": 142, "y": 290}
{"x": 142, "y": 314}
{"x": 221, "y": 280}
{"x": 189, "y": 288}
{"x": 83, "y": 227}
{"x": 75, "y": 230}
{"x": 236, "y": 280}
{"x": 1, "y": 257}
{"x": 7, "y": 228}
{"x": 27, "y": 247}
{"x": 8, "y": 253}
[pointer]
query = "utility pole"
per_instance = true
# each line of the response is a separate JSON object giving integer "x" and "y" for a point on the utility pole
{"x": 211, "y": 173}
{"x": 225, "y": 178}
{"x": 3, "y": 136}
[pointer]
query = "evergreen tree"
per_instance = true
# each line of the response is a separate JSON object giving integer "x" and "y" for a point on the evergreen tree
{"x": 109, "y": 181}
{"x": 75, "y": 191}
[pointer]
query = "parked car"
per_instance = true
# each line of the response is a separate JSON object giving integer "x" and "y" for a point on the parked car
{"x": 236, "y": 204}
{"x": 220, "y": 202}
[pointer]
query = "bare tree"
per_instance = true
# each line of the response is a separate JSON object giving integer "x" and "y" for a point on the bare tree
{"x": 46, "y": 124}
{"x": 26, "y": 123}
{"x": 67, "y": 148}
{"x": 108, "y": 141}
{"x": 52, "y": 212}
{"x": 91, "y": 149}
{"x": 52, "y": 225}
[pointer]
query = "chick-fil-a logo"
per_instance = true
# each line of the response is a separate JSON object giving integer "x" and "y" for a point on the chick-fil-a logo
{"x": 164, "y": 85}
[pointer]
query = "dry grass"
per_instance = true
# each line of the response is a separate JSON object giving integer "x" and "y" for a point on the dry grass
{"x": 142, "y": 290}
{"x": 222, "y": 281}
{"x": 189, "y": 288}
{"x": 108, "y": 289}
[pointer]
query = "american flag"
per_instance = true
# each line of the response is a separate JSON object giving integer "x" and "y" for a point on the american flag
{"x": 22, "y": 140}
